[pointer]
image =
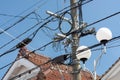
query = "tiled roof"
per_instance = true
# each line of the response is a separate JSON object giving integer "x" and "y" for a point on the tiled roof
{"x": 53, "y": 71}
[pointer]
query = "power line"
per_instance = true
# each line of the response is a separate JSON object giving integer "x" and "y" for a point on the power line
{"x": 24, "y": 11}
{"x": 16, "y": 16}
{"x": 25, "y": 42}
{"x": 93, "y": 46}
{"x": 29, "y": 54}
{"x": 93, "y": 24}
{"x": 24, "y": 18}
{"x": 12, "y": 36}
{"x": 106, "y": 47}
{"x": 11, "y": 15}
{"x": 97, "y": 22}
{"x": 104, "y": 18}
{"x": 21, "y": 34}
{"x": 16, "y": 22}
{"x": 48, "y": 17}
{"x": 46, "y": 22}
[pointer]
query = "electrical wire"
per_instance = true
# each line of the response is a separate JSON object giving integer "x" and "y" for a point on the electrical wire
{"x": 12, "y": 36}
{"x": 114, "y": 46}
{"x": 25, "y": 55}
{"x": 48, "y": 33}
{"x": 20, "y": 35}
{"x": 23, "y": 33}
{"x": 78, "y": 5}
{"x": 29, "y": 54}
{"x": 111, "y": 39}
{"x": 16, "y": 16}
{"x": 97, "y": 22}
{"x": 27, "y": 31}
{"x": 38, "y": 16}
{"x": 104, "y": 18}
{"x": 8, "y": 51}
{"x": 34, "y": 33}
{"x": 16, "y": 22}
{"x": 19, "y": 45}
{"x": 51, "y": 28}
{"x": 23, "y": 12}
{"x": 60, "y": 22}
{"x": 115, "y": 38}
{"x": 35, "y": 10}
{"x": 48, "y": 20}
{"x": 93, "y": 46}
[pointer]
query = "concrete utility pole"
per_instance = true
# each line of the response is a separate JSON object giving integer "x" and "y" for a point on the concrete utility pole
{"x": 75, "y": 42}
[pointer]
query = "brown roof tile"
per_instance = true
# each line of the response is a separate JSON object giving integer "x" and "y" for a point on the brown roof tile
{"x": 51, "y": 72}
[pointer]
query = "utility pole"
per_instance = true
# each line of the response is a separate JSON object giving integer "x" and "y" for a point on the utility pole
{"x": 75, "y": 38}
{"x": 75, "y": 42}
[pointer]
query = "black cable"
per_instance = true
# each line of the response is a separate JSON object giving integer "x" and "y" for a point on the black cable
{"x": 93, "y": 46}
{"x": 97, "y": 44}
{"x": 89, "y": 25}
{"x": 42, "y": 47}
{"x": 48, "y": 21}
{"x": 16, "y": 23}
{"x": 16, "y": 16}
{"x": 23, "y": 43}
{"x": 60, "y": 22}
{"x": 79, "y": 30}
{"x": 104, "y": 18}
{"x": 22, "y": 12}
{"x": 25, "y": 55}
{"x": 28, "y": 55}
{"x": 51, "y": 28}
{"x": 56, "y": 60}
{"x": 7, "y": 65}
{"x": 21, "y": 34}
{"x": 34, "y": 33}
{"x": 78, "y": 5}
{"x": 37, "y": 15}
{"x": 9, "y": 51}
{"x": 101, "y": 20}
{"x": 106, "y": 47}
{"x": 32, "y": 12}
{"x": 47, "y": 33}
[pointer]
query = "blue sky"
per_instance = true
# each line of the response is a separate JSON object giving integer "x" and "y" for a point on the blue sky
{"x": 93, "y": 11}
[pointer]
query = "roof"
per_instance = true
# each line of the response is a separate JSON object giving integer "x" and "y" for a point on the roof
{"x": 111, "y": 69}
{"x": 18, "y": 67}
{"x": 51, "y": 71}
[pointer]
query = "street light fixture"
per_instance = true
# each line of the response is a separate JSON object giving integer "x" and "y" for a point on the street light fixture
{"x": 83, "y": 53}
{"x": 103, "y": 35}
